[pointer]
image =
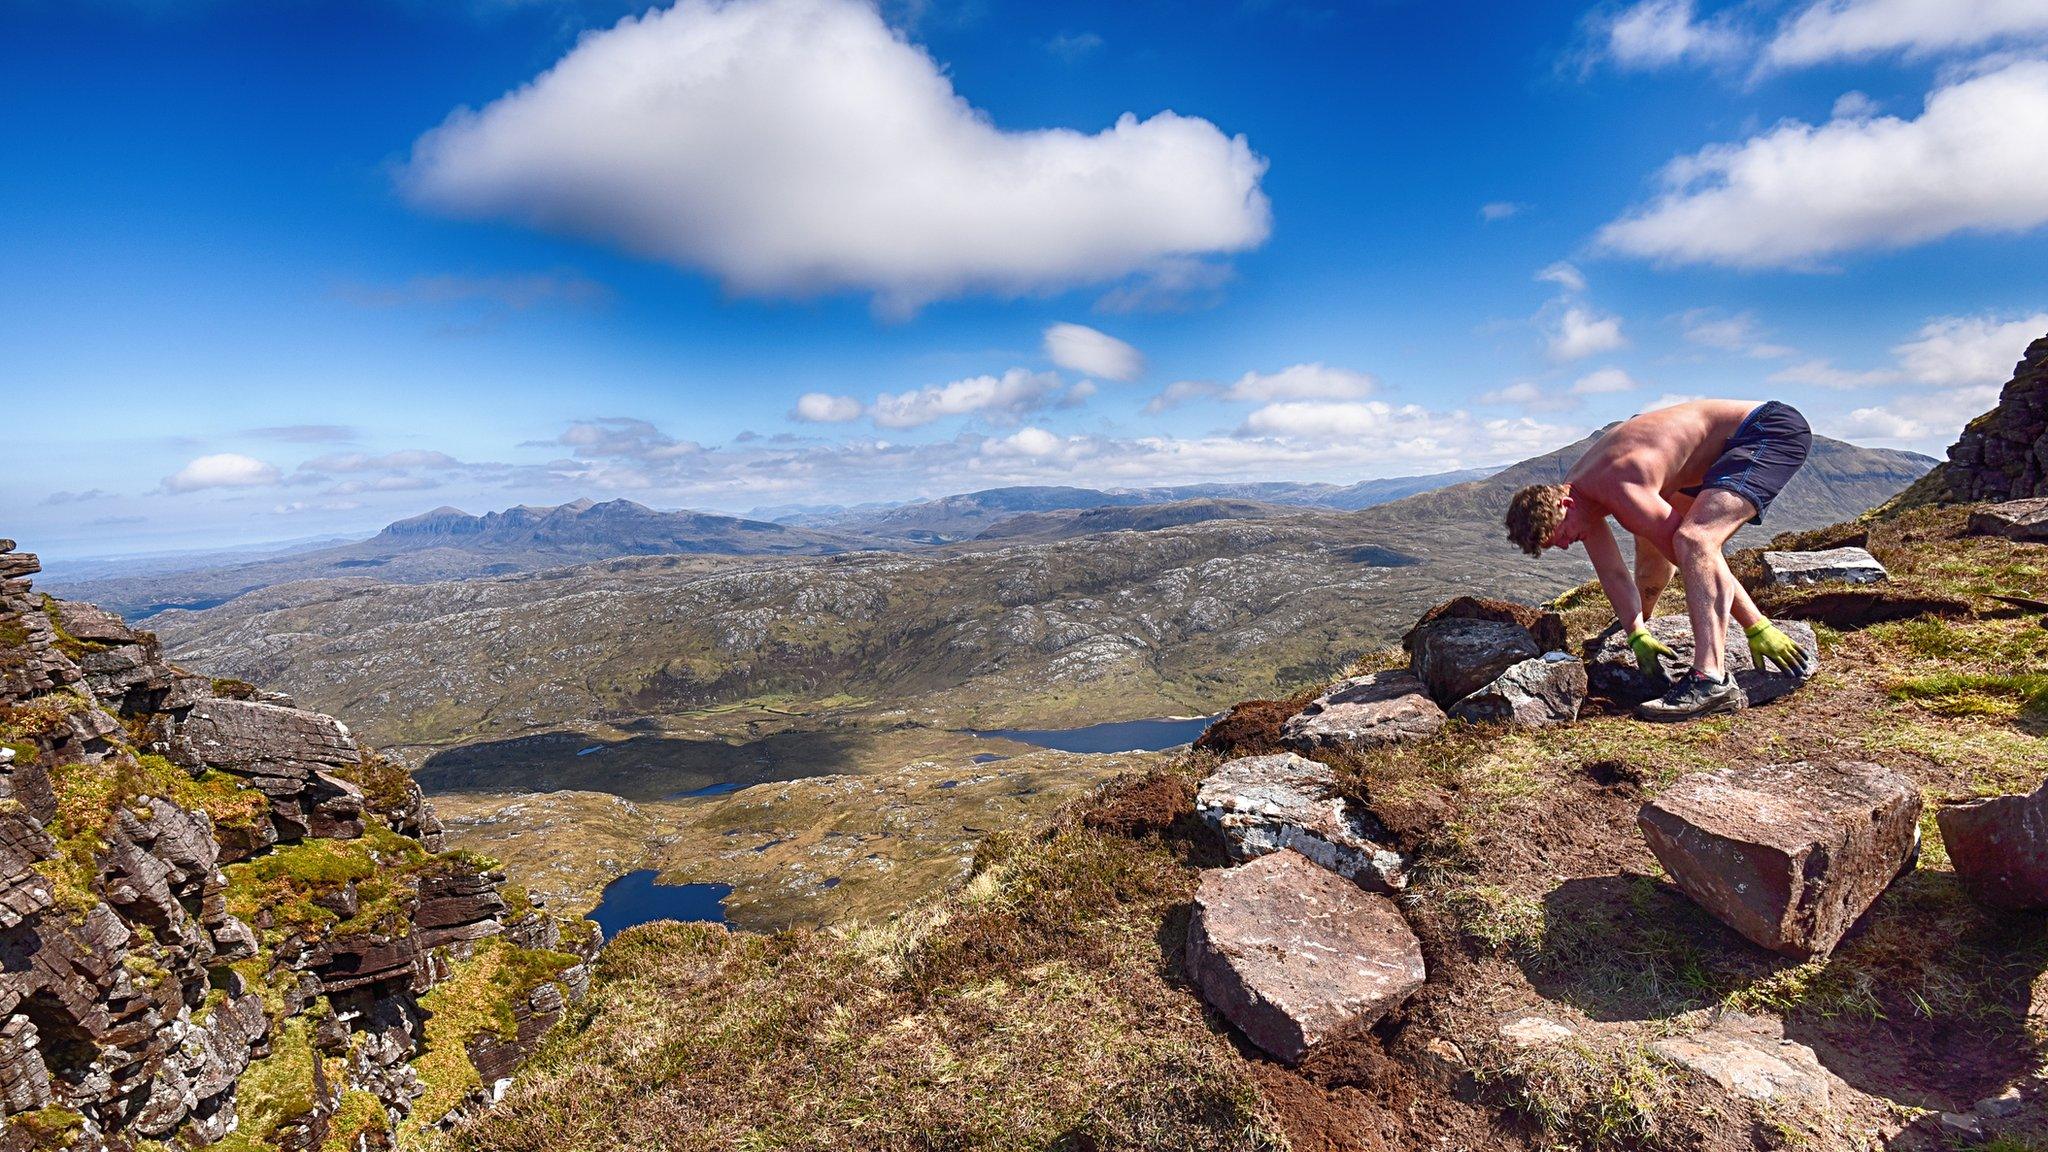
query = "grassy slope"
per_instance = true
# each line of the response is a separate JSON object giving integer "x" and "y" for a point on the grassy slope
{"x": 1040, "y": 1006}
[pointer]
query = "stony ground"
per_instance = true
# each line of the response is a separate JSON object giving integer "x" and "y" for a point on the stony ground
{"x": 1041, "y": 1004}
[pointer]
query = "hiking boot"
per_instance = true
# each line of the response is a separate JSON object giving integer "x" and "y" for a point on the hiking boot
{"x": 1693, "y": 697}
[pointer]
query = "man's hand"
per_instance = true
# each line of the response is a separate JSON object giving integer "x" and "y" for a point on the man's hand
{"x": 1768, "y": 645}
{"x": 1647, "y": 649}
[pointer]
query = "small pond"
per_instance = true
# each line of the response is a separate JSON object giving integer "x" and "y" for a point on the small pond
{"x": 635, "y": 898}
{"x": 1119, "y": 736}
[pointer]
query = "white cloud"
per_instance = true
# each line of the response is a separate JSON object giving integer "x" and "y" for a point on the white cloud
{"x": 222, "y": 470}
{"x": 1074, "y": 47}
{"x": 1957, "y": 351}
{"x": 1854, "y": 105}
{"x": 1033, "y": 442}
{"x": 791, "y": 147}
{"x": 1975, "y": 160}
{"x": 1520, "y": 392}
{"x": 1656, "y": 33}
{"x": 1092, "y": 353}
{"x": 1739, "y": 332}
{"x": 1849, "y": 29}
{"x": 1671, "y": 399}
{"x": 1010, "y": 395}
{"x": 1500, "y": 210}
{"x": 1822, "y": 373}
{"x": 389, "y": 461}
{"x": 1582, "y": 332}
{"x": 1174, "y": 285}
{"x": 1880, "y": 423}
{"x": 1564, "y": 275}
{"x": 824, "y": 408}
{"x": 1303, "y": 382}
{"x": 1603, "y": 382}
{"x": 1182, "y": 392}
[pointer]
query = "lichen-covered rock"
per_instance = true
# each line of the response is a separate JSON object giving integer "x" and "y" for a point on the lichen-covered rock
{"x": 1295, "y": 955}
{"x": 1365, "y": 712}
{"x": 1263, "y": 804}
{"x": 1789, "y": 855}
{"x": 1834, "y": 565}
{"x": 2025, "y": 520}
{"x": 1611, "y": 667}
{"x": 1455, "y": 657}
{"x": 1999, "y": 847}
{"x": 1532, "y": 694}
{"x": 2003, "y": 454}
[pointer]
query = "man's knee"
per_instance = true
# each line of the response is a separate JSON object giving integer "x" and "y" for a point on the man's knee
{"x": 1695, "y": 541}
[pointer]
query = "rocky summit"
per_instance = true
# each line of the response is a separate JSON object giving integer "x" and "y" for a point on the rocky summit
{"x": 224, "y": 921}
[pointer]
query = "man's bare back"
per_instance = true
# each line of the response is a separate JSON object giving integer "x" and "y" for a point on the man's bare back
{"x": 1662, "y": 450}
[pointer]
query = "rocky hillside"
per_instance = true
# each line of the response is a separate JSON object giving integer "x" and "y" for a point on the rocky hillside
{"x": 1815, "y": 923}
{"x": 226, "y": 923}
{"x": 1180, "y": 620}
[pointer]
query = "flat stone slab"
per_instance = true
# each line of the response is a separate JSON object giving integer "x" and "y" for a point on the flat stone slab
{"x": 1999, "y": 847}
{"x": 1456, "y": 656}
{"x": 1295, "y": 955}
{"x": 1789, "y": 855}
{"x": 1266, "y": 804}
{"x": 1533, "y": 694}
{"x": 1365, "y": 712}
{"x": 1611, "y": 668}
{"x": 1835, "y": 565}
{"x": 1750, "y": 1057}
{"x": 2014, "y": 520}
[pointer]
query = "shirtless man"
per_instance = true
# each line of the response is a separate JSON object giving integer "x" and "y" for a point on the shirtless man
{"x": 1682, "y": 480}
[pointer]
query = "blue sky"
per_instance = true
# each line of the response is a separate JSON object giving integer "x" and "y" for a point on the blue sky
{"x": 276, "y": 271}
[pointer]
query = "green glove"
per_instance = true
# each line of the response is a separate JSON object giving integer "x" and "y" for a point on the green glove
{"x": 1768, "y": 645}
{"x": 1647, "y": 649}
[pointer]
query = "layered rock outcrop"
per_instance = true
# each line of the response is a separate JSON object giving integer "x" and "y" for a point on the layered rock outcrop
{"x": 193, "y": 885}
{"x": 2003, "y": 454}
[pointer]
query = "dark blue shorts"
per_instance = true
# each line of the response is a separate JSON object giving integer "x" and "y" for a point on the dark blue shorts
{"x": 1767, "y": 448}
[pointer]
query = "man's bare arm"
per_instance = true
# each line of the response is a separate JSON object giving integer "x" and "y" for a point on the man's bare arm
{"x": 1650, "y": 517}
{"x": 1615, "y": 578}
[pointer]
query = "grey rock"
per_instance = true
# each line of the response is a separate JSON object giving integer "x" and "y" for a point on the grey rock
{"x": 1750, "y": 1057}
{"x": 1365, "y": 712}
{"x": 1262, "y": 804}
{"x": 1534, "y": 1032}
{"x": 1835, "y": 565}
{"x": 1611, "y": 667}
{"x": 1789, "y": 855}
{"x": 2025, "y": 520}
{"x": 2002, "y": 1106}
{"x": 1295, "y": 955}
{"x": 1532, "y": 694}
{"x": 1455, "y": 657}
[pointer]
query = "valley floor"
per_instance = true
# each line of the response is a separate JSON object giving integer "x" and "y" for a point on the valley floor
{"x": 1041, "y": 1003}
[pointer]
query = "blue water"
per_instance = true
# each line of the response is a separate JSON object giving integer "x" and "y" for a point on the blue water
{"x": 1120, "y": 736}
{"x": 636, "y": 899}
{"x": 718, "y": 789}
{"x": 987, "y": 757}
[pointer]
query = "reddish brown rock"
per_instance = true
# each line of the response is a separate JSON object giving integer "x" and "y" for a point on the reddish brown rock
{"x": 1364, "y": 712}
{"x": 1545, "y": 626}
{"x": 1294, "y": 954}
{"x": 1789, "y": 855}
{"x": 1456, "y": 657}
{"x": 1262, "y": 804}
{"x": 1999, "y": 847}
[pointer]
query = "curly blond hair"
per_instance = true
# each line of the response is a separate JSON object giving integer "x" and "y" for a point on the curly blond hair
{"x": 1534, "y": 514}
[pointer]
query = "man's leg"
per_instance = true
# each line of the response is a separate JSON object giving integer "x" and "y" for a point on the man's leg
{"x": 1710, "y": 588}
{"x": 1653, "y": 575}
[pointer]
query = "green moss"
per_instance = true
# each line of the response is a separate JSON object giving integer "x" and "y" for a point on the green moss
{"x": 44, "y": 1128}
{"x": 478, "y": 999}
{"x": 2017, "y": 695}
{"x": 230, "y": 688}
{"x": 68, "y": 644}
{"x": 359, "y": 1114}
{"x": 276, "y": 1090}
{"x": 285, "y": 880}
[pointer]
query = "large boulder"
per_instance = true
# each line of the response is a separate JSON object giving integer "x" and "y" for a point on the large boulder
{"x": 1544, "y": 625}
{"x": 1295, "y": 955}
{"x": 2003, "y": 454}
{"x": 1455, "y": 657}
{"x": 2013, "y": 519}
{"x": 1999, "y": 847}
{"x": 1265, "y": 804}
{"x": 1789, "y": 855}
{"x": 1533, "y": 694}
{"x": 1833, "y": 566}
{"x": 1364, "y": 712}
{"x": 1611, "y": 667}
